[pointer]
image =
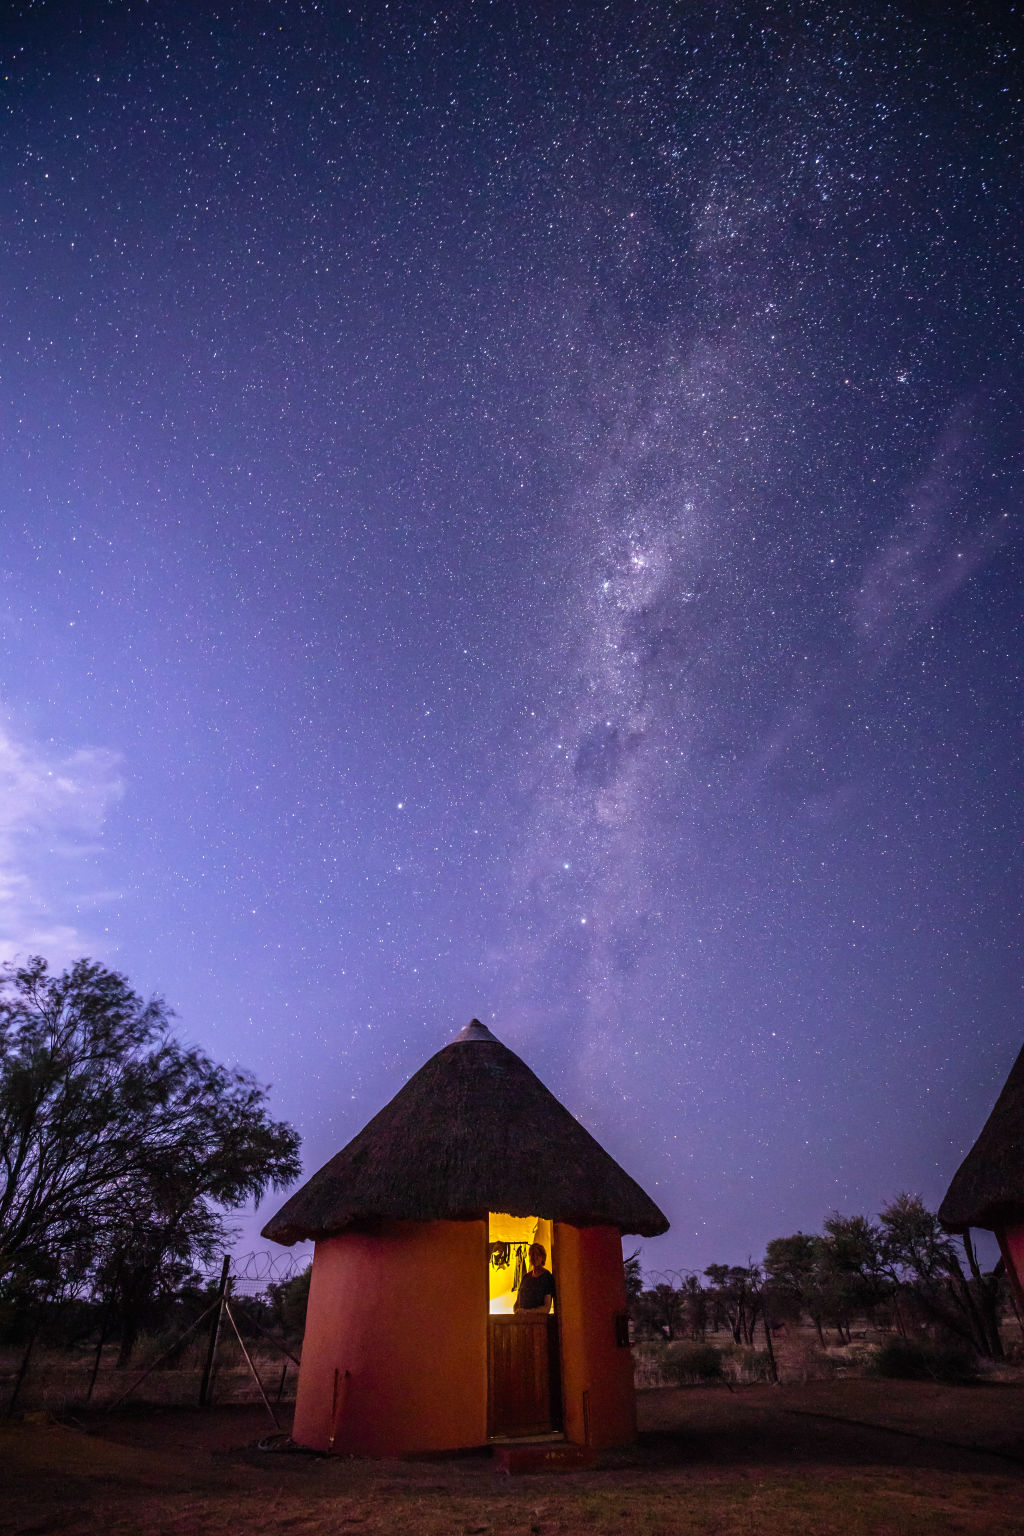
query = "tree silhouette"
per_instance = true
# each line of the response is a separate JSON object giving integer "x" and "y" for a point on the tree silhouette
{"x": 120, "y": 1149}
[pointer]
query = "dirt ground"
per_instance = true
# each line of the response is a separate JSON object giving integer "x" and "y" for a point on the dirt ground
{"x": 851, "y": 1458}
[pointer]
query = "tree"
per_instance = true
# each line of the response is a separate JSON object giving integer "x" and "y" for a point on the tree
{"x": 737, "y": 1290}
{"x": 288, "y": 1301}
{"x": 658, "y": 1310}
{"x": 851, "y": 1269}
{"x": 119, "y": 1148}
{"x": 793, "y": 1267}
{"x": 168, "y": 1217}
{"x": 633, "y": 1277}
{"x": 695, "y": 1306}
{"x": 924, "y": 1263}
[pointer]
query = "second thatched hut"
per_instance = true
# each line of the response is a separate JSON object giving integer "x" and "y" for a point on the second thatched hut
{"x": 988, "y": 1188}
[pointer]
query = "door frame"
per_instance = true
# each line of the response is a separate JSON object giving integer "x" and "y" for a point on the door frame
{"x": 554, "y": 1348}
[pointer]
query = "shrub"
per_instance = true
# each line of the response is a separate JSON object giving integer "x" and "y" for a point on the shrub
{"x": 694, "y": 1362}
{"x": 805, "y": 1360}
{"x": 750, "y": 1365}
{"x": 910, "y": 1360}
{"x": 649, "y": 1365}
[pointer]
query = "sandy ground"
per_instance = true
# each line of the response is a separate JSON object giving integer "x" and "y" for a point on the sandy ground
{"x": 853, "y": 1458}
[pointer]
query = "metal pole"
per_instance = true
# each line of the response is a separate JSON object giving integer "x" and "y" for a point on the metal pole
{"x": 206, "y": 1386}
{"x": 161, "y": 1358}
{"x": 341, "y": 1379}
{"x": 248, "y": 1361}
{"x": 284, "y": 1350}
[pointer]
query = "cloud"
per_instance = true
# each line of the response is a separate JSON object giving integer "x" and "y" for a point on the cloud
{"x": 934, "y": 548}
{"x": 53, "y": 808}
{"x": 949, "y": 526}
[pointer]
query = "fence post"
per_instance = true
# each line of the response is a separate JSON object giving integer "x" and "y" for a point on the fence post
{"x": 206, "y": 1387}
{"x": 96, "y": 1362}
{"x": 23, "y": 1367}
{"x": 771, "y": 1347}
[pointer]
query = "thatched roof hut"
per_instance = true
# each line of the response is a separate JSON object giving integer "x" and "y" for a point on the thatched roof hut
{"x": 473, "y": 1131}
{"x": 988, "y": 1189}
{"x": 424, "y": 1331}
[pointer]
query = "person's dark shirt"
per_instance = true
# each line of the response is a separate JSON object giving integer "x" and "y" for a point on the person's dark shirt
{"x": 534, "y": 1291}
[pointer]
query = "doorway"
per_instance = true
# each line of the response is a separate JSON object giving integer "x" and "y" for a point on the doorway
{"x": 523, "y": 1372}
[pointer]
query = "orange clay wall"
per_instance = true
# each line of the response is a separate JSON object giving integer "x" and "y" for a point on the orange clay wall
{"x": 404, "y": 1312}
{"x": 598, "y": 1399}
{"x": 1011, "y": 1243}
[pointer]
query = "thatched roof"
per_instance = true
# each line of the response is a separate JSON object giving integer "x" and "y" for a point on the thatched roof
{"x": 988, "y": 1190}
{"x": 473, "y": 1131}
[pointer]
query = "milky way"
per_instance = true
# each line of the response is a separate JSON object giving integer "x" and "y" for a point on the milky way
{"x": 517, "y": 514}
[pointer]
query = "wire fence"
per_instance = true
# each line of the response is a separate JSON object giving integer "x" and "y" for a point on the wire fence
{"x": 224, "y": 1338}
{"x": 677, "y": 1279}
{"x": 263, "y": 1267}
{"x": 227, "y": 1338}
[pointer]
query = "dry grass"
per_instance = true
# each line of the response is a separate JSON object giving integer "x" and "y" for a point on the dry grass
{"x": 58, "y": 1380}
{"x": 839, "y": 1459}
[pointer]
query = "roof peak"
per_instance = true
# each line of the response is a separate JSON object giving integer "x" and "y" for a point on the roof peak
{"x": 451, "y": 1146}
{"x": 474, "y": 1030}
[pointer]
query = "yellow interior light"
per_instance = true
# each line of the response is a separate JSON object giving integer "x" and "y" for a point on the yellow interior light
{"x": 508, "y": 1238}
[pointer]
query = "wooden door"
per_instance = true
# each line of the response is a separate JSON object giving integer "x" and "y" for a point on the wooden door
{"x": 524, "y": 1396}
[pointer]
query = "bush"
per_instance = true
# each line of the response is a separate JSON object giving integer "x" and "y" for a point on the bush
{"x": 694, "y": 1362}
{"x": 910, "y": 1360}
{"x": 750, "y": 1365}
{"x": 805, "y": 1360}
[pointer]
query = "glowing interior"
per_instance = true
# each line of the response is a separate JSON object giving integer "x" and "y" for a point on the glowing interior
{"x": 518, "y": 1232}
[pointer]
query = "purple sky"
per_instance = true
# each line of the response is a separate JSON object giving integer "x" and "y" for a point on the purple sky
{"x": 515, "y": 510}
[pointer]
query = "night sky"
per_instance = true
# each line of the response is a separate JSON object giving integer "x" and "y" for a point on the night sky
{"x": 514, "y": 510}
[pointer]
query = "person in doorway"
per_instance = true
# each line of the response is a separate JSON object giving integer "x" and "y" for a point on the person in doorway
{"x": 537, "y": 1290}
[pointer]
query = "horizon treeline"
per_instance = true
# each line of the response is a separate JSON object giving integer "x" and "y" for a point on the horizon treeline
{"x": 900, "y": 1270}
